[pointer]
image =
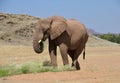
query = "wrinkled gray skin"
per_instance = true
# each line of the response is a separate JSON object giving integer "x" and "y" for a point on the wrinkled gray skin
{"x": 70, "y": 35}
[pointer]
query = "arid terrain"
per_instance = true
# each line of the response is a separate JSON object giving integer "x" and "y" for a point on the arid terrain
{"x": 102, "y": 63}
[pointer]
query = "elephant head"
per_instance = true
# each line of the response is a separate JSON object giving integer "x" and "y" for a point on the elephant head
{"x": 51, "y": 27}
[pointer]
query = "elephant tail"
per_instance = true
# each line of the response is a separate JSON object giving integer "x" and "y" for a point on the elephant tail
{"x": 84, "y": 54}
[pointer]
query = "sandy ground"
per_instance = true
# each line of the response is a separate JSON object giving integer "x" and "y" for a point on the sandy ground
{"x": 102, "y": 65}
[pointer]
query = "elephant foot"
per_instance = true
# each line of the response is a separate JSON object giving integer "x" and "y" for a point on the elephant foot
{"x": 73, "y": 69}
{"x": 75, "y": 65}
{"x": 72, "y": 65}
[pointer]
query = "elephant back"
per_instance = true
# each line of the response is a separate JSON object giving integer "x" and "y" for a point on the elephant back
{"x": 58, "y": 18}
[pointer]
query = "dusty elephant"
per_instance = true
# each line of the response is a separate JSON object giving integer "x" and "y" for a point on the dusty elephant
{"x": 70, "y": 35}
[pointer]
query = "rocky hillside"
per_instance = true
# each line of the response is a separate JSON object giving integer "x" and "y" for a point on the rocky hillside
{"x": 18, "y": 29}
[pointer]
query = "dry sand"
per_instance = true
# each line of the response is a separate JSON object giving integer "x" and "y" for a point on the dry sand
{"x": 102, "y": 65}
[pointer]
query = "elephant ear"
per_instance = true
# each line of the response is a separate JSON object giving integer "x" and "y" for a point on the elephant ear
{"x": 57, "y": 28}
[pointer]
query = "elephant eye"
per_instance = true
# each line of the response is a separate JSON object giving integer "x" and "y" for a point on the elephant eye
{"x": 45, "y": 32}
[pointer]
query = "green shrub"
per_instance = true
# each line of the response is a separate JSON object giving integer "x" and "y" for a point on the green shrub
{"x": 4, "y": 72}
{"x": 111, "y": 37}
{"x": 25, "y": 69}
{"x": 31, "y": 67}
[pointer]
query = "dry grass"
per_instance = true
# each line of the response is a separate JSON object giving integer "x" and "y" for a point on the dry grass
{"x": 102, "y": 63}
{"x": 20, "y": 54}
{"x": 28, "y": 61}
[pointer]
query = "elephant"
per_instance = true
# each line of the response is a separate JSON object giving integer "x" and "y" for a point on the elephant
{"x": 69, "y": 35}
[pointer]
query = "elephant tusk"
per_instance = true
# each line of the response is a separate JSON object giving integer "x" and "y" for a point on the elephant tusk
{"x": 39, "y": 41}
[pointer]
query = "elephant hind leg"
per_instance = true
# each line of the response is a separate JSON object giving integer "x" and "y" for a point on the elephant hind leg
{"x": 71, "y": 54}
{"x": 75, "y": 63}
{"x": 75, "y": 56}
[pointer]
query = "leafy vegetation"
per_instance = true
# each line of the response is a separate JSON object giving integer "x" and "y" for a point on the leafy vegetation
{"x": 111, "y": 37}
{"x": 31, "y": 67}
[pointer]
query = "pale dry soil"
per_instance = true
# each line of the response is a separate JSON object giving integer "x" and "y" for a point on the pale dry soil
{"x": 102, "y": 65}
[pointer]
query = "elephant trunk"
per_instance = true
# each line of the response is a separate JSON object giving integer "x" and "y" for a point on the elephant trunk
{"x": 38, "y": 46}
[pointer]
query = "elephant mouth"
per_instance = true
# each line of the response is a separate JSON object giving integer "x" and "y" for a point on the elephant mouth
{"x": 38, "y": 46}
{"x": 41, "y": 46}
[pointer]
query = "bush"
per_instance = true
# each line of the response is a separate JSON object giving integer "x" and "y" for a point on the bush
{"x": 111, "y": 37}
{"x": 4, "y": 72}
{"x": 31, "y": 67}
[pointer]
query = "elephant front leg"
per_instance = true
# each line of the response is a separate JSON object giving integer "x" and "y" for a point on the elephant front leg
{"x": 53, "y": 54}
{"x": 63, "y": 51}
